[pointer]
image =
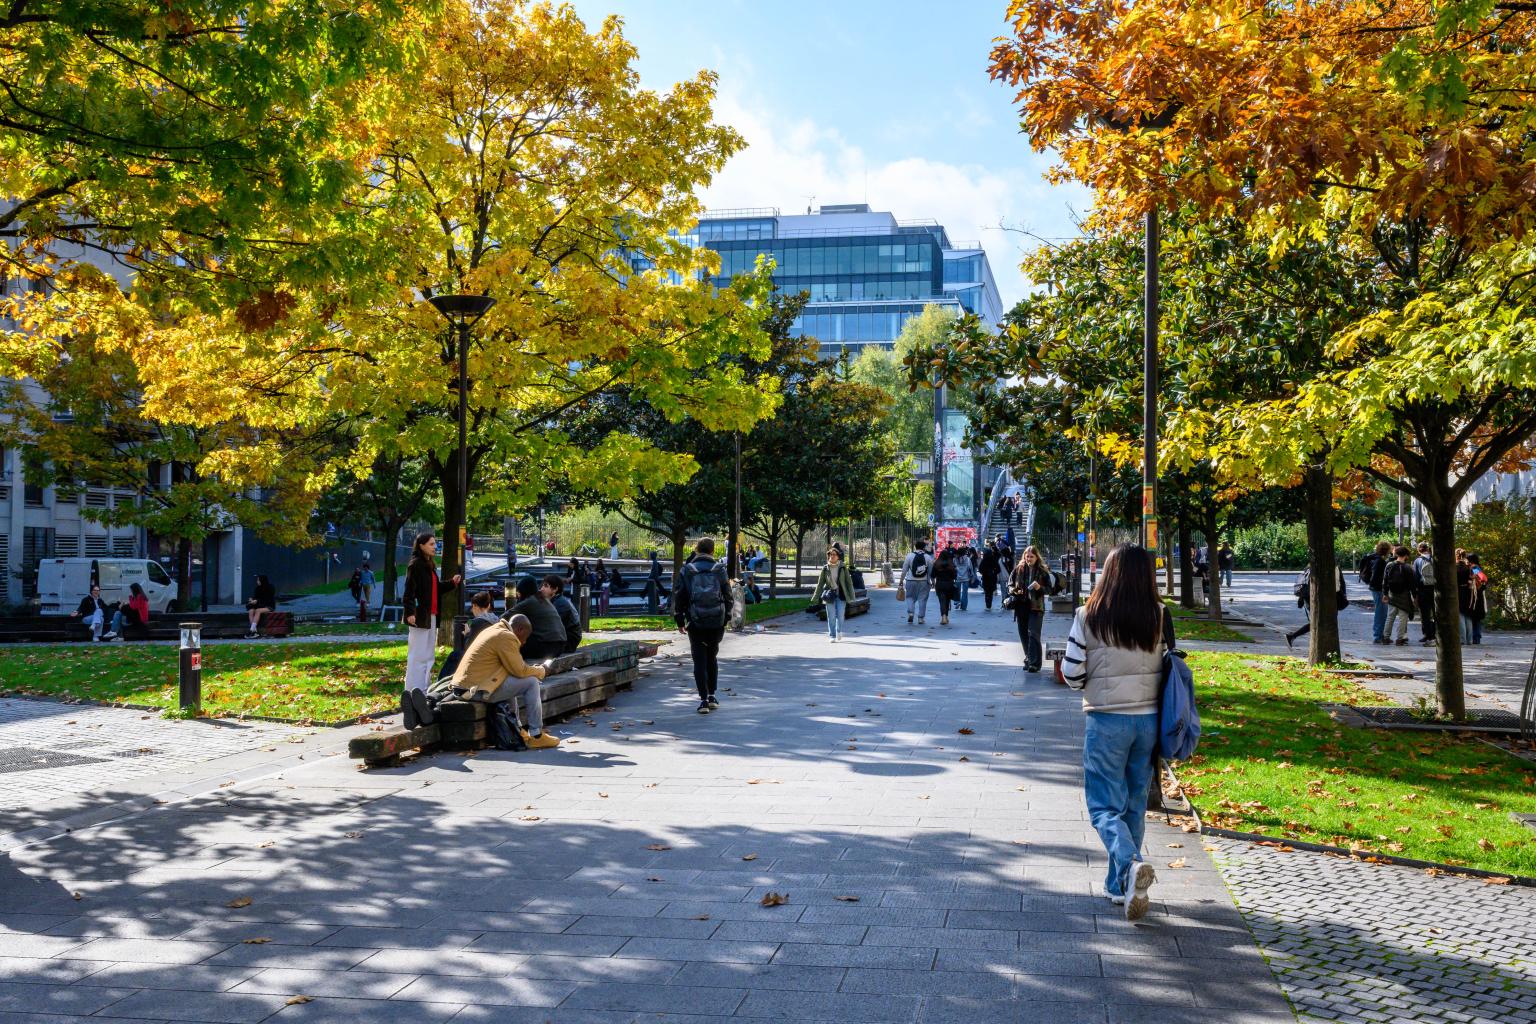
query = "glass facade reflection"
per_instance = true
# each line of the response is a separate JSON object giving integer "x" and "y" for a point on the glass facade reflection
{"x": 865, "y": 273}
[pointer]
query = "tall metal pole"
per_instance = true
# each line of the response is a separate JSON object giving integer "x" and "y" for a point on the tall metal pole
{"x": 733, "y": 556}
{"x": 1149, "y": 372}
{"x": 463, "y": 501}
{"x": 1093, "y": 517}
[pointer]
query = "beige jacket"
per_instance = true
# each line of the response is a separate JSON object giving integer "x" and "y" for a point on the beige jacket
{"x": 491, "y": 657}
{"x": 1117, "y": 680}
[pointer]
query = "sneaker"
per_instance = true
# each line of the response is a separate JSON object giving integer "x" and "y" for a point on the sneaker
{"x": 1381, "y": 640}
{"x": 253, "y": 636}
{"x": 921, "y": 621}
{"x": 543, "y": 741}
{"x": 1118, "y": 901}
{"x": 714, "y": 702}
{"x": 943, "y": 620}
{"x": 425, "y": 714}
{"x": 704, "y": 707}
{"x": 1140, "y": 878}
{"x": 408, "y": 711}
{"x": 109, "y": 636}
{"x": 1403, "y": 642}
{"x": 909, "y": 619}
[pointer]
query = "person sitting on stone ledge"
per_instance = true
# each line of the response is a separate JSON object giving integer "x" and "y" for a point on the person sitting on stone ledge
{"x": 548, "y": 639}
{"x": 481, "y": 617}
{"x": 553, "y": 589}
{"x": 493, "y": 671}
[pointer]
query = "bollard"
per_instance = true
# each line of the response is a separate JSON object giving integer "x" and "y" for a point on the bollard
{"x": 584, "y": 602}
{"x": 190, "y": 675}
{"x": 652, "y": 597}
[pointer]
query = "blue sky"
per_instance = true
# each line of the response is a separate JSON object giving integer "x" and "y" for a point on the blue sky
{"x": 853, "y": 101}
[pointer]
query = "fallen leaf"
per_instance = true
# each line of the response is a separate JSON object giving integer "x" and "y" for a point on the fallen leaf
{"x": 296, "y": 1000}
{"x": 352, "y": 835}
{"x": 774, "y": 899}
{"x": 255, "y": 942}
{"x": 530, "y": 817}
{"x": 658, "y": 847}
{"x": 652, "y": 878}
{"x": 964, "y": 758}
{"x": 1176, "y": 863}
{"x": 1175, "y": 846}
{"x": 1483, "y": 844}
{"x": 238, "y": 902}
{"x": 603, "y": 795}
{"x": 699, "y": 917}
{"x": 78, "y": 896}
{"x": 967, "y": 732}
{"x": 1497, "y": 880}
{"x": 750, "y": 856}
{"x": 846, "y": 899}
{"x": 650, "y": 785}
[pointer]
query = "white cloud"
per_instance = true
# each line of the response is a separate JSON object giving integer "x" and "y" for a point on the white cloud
{"x": 788, "y": 160}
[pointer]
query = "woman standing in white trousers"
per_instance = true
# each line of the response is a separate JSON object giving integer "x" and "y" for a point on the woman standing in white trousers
{"x": 423, "y": 588}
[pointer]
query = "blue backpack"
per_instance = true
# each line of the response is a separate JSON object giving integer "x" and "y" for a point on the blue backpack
{"x": 1178, "y": 719}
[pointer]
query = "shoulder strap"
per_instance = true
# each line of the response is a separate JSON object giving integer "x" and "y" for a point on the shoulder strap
{"x": 1169, "y": 640}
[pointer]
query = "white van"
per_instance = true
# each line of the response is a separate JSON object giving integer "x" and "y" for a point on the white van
{"x": 62, "y": 582}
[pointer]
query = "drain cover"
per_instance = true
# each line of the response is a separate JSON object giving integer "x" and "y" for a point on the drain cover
{"x": 1481, "y": 720}
{"x": 31, "y": 759}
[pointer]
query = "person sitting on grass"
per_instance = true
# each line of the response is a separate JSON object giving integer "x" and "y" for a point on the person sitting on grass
{"x": 553, "y": 591}
{"x": 548, "y": 639}
{"x": 493, "y": 670}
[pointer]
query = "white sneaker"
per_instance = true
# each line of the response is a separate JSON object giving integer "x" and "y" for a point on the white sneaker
{"x": 1139, "y": 879}
{"x": 109, "y": 636}
{"x": 1118, "y": 901}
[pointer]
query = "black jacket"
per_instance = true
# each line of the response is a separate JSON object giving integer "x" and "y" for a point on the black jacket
{"x": 1378, "y": 571}
{"x": 991, "y": 563}
{"x": 547, "y": 627}
{"x": 89, "y": 606}
{"x": 264, "y": 596}
{"x": 703, "y": 565}
{"x": 420, "y": 578}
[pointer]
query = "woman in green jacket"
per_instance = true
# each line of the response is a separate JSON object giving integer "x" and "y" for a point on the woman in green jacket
{"x": 834, "y": 588}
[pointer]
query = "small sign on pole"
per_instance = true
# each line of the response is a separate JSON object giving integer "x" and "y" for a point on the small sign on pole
{"x": 190, "y": 669}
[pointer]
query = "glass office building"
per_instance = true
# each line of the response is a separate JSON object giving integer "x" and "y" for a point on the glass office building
{"x": 866, "y": 273}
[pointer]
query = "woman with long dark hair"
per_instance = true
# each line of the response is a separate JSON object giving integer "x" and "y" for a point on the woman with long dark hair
{"x": 263, "y": 599}
{"x": 423, "y": 589}
{"x": 946, "y": 583}
{"x": 1115, "y": 656}
{"x": 1028, "y": 587}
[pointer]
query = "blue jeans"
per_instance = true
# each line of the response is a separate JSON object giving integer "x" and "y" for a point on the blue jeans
{"x": 1379, "y": 613}
{"x": 1117, "y": 769}
{"x": 1226, "y": 579}
{"x": 1471, "y": 629}
{"x": 835, "y": 608}
{"x": 965, "y": 594}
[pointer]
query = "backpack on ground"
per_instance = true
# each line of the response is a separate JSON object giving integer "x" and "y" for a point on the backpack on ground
{"x": 1367, "y": 568}
{"x": 501, "y": 729}
{"x": 706, "y": 597}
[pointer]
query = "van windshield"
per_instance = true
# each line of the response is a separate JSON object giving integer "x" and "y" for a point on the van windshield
{"x": 158, "y": 575}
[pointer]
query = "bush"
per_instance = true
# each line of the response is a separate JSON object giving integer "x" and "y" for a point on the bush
{"x": 1502, "y": 533}
{"x": 1284, "y": 546}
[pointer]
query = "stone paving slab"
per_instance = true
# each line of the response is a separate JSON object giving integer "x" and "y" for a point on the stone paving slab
{"x": 1351, "y": 941}
{"x": 930, "y": 874}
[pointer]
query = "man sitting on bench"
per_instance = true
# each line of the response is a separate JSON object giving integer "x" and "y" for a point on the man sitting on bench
{"x": 548, "y": 636}
{"x": 492, "y": 670}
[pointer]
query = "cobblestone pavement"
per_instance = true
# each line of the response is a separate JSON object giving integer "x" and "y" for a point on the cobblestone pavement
{"x": 1360, "y": 942}
{"x": 913, "y": 798}
{"x": 49, "y": 750}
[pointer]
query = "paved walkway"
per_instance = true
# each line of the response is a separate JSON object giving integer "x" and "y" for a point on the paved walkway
{"x": 909, "y": 793}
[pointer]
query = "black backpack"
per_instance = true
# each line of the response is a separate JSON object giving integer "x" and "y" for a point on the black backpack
{"x": 919, "y": 565}
{"x": 501, "y": 729}
{"x": 1367, "y": 568}
{"x": 706, "y": 597}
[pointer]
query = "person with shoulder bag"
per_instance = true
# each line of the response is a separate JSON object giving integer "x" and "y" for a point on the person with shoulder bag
{"x": 834, "y": 590}
{"x": 419, "y": 607}
{"x": 1115, "y": 655}
{"x": 1028, "y": 587}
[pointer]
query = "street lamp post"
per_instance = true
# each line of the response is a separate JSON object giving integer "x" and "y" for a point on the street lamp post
{"x": 1149, "y": 397}
{"x": 461, "y": 312}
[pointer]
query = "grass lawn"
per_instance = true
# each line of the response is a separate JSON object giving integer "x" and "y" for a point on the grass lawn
{"x": 765, "y": 609}
{"x": 1189, "y": 624}
{"x": 304, "y": 629}
{"x": 326, "y": 682}
{"x": 1271, "y": 761}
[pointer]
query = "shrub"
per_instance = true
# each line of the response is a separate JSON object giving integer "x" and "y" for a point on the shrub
{"x": 1502, "y": 532}
{"x": 1284, "y": 546}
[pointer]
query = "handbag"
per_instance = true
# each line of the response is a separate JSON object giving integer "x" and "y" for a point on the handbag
{"x": 901, "y": 590}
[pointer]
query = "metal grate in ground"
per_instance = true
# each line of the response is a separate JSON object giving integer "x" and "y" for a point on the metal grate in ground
{"x": 1480, "y": 720}
{"x": 31, "y": 759}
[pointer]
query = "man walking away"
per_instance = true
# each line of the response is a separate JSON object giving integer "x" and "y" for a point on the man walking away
{"x": 1303, "y": 587}
{"x": 1399, "y": 583}
{"x": 1226, "y": 559}
{"x": 1373, "y": 572}
{"x": 916, "y": 577}
{"x": 1424, "y": 573}
{"x": 701, "y": 602}
{"x": 991, "y": 562}
{"x": 365, "y": 582}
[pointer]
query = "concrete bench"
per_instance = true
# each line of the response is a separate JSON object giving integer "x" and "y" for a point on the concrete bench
{"x": 583, "y": 679}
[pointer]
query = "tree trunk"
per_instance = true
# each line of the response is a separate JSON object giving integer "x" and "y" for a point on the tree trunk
{"x": 184, "y": 574}
{"x": 678, "y": 537}
{"x": 391, "y": 570}
{"x": 1186, "y": 564}
{"x": 1213, "y": 558}
{"x": 799, "y": 552}
{"x": 773, "y": 564}
{"x": 1322, "y": 561}
{"x": 1450, "y": 686}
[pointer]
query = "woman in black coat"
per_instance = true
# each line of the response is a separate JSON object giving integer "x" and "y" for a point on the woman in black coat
{"x": 263, "y": 599}
{"x": 991, "y": 566}
{"x": 423, "y": 590}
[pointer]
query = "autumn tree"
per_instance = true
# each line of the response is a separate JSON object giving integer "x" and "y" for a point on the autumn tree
{"x": 1392, "y": 122}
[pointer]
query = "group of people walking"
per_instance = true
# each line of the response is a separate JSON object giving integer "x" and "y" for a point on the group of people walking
{"x": 1403, "y": 586}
